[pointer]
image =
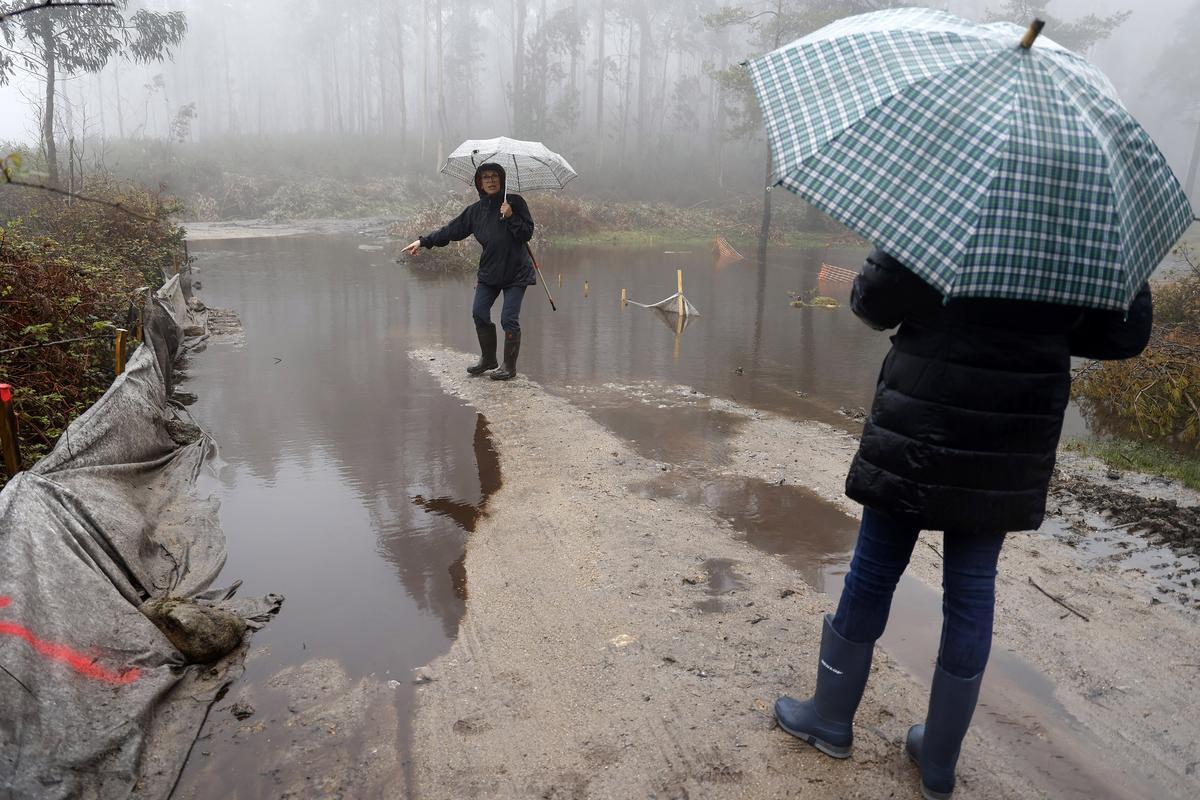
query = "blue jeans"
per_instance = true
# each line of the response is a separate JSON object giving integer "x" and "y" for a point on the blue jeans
{"x": 510, "y": 315}
{"x": 968, "y": 589}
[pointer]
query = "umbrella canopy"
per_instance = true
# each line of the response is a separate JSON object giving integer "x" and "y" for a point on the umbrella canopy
{"x": 529, "y": 165}
{"x": 989, "y": 168}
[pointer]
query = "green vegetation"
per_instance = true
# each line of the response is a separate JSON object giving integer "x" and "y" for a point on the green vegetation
{"x": 1124, "y": 454}
{"x": 1149, "y": 405}
{"x": 71, "y": 269}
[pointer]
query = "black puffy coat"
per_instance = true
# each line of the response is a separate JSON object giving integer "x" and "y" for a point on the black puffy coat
{"x": 505, "y": 260}
{"x": 969, "y": 406}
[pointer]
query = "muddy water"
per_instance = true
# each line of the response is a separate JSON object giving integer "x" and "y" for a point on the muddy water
{"x": 349, "y": 482}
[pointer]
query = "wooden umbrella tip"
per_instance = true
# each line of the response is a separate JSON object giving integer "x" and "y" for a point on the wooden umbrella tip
{"x": 1034, "y": 29}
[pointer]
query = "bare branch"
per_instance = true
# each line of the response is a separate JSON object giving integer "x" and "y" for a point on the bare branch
{"x": 51, "y": 4}
{"x": 8, "y": 178}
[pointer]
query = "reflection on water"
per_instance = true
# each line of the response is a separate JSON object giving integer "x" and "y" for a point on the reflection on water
{"x": 467, "y": 515}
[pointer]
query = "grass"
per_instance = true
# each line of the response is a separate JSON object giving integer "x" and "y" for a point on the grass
{"x": 1152, "y": 459}
{"x": 642, "y": 237}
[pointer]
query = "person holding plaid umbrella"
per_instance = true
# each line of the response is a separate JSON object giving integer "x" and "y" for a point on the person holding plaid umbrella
{"x": 1017, "y": 210}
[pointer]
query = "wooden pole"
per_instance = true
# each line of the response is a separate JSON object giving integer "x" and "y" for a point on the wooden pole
{"x": 119, "y": 349}
{"x": 586, "y": 288}
{"x": 8, "y": 432}
{"x": 679, "y": 282}
{"x": 560, "y": 280}
{"x": 1034, "y": 29}
{"x": 624, "y": 298}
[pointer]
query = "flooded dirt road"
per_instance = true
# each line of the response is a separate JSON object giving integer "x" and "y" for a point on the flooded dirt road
{"x": 350, "y": 480}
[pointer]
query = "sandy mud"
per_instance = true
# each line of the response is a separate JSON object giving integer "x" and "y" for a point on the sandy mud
{"x": 625, "y": 633}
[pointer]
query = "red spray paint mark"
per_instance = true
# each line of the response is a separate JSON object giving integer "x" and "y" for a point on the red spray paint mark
{"x": 60, "y": 652}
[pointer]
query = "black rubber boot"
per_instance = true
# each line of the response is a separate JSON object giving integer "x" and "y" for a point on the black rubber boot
{"x": 512, "y": 348}
{"x": 935, "y": 745}
{"x": 826, "y": 719}
{"x": 487, "y": 350}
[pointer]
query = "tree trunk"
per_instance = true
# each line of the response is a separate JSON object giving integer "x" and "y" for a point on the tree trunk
{"x": 443, "y": 127}
{"x": 400, "y": 82}
{"x": 626, "y": 93}
{"x": 425, "y": 86}
{"x": 575, "y": 59}
{"x": 765, "y": 232}
{"x": 644, "y": 49}
{"x": 600, "y": 70}
{"x": 1190, "y": 185}
{"x": 48, "y": 55}
{"x": 520, "y": 11}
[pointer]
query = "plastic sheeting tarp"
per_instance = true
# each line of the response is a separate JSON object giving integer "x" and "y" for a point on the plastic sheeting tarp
{"x": 95, "y": 702}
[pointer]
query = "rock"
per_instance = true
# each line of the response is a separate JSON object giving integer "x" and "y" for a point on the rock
{"x": 183, "y": 398}
{"x": 193, "y": 331}
{"x": 183, "y": 433}
{"x": 202, "y": 633}
{"x": 242, "y": 710}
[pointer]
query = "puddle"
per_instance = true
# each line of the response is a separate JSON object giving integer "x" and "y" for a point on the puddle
{"x": 809, "y": 534}
{"x": 722, "y": 582}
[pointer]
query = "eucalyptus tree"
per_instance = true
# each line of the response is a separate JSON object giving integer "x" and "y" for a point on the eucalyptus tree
{"x": 67, "y": 40}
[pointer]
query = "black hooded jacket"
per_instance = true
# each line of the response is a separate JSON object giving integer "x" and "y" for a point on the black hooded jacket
{"x": 969, "y": 406}
{"x": 505, "y": 261}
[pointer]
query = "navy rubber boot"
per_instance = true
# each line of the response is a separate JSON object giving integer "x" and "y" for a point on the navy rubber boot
{"x": 487, "y": 350}
{"x": 512, "y": 349}
{"x": 826, "y": 719}
{"x": 935, "y": 745}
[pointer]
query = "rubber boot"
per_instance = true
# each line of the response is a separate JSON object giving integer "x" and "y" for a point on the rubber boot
{"x": 487, "y": 350}
{"x": 512, "y": 348}
{"x": 935, "y": 745}
{"x": 826, "y": 719}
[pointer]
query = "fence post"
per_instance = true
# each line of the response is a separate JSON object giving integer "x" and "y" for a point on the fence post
{"x": 8, "y": 432}
{"x": 119, "y": 348}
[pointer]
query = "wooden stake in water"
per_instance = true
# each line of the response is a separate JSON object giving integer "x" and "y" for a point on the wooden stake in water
{"x": 8, "y": 432}
{"x": 679, "y": 281}
{"x": 560, "y": 280}
{"x": 119, "y": 348}
{"x": 624, "y": 298}
{"x": 586, "y": 288}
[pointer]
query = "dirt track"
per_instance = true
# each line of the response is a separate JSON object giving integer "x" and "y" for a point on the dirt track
{"x": 619, "y": 644}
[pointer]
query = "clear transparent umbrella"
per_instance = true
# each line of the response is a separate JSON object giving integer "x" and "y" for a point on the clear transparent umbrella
{"x": 528, "y": 165}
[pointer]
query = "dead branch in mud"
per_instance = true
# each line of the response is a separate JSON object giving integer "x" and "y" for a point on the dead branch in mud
{"x": 1060, "y": 601}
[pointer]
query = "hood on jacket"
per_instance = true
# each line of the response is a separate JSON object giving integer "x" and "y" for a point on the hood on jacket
{"x": 490, "y": 165}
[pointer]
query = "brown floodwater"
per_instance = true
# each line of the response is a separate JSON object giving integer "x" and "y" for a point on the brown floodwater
{"x": 349, "y": 482}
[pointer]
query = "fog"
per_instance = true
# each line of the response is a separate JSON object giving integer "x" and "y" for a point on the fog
{"x": 637, "y": 95}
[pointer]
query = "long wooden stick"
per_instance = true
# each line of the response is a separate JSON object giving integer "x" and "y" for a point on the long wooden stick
{"x": 1060, "y": 601}
{"x": 538, "y": 267}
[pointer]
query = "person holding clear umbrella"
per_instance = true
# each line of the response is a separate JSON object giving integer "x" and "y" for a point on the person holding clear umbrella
{"x": 503, "y": 225}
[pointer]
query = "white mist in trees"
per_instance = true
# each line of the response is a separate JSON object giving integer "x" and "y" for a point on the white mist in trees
{"x": 54, "y": 42}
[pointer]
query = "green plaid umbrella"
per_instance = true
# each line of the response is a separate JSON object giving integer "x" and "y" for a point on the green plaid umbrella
{"x": 990, "y": 169}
